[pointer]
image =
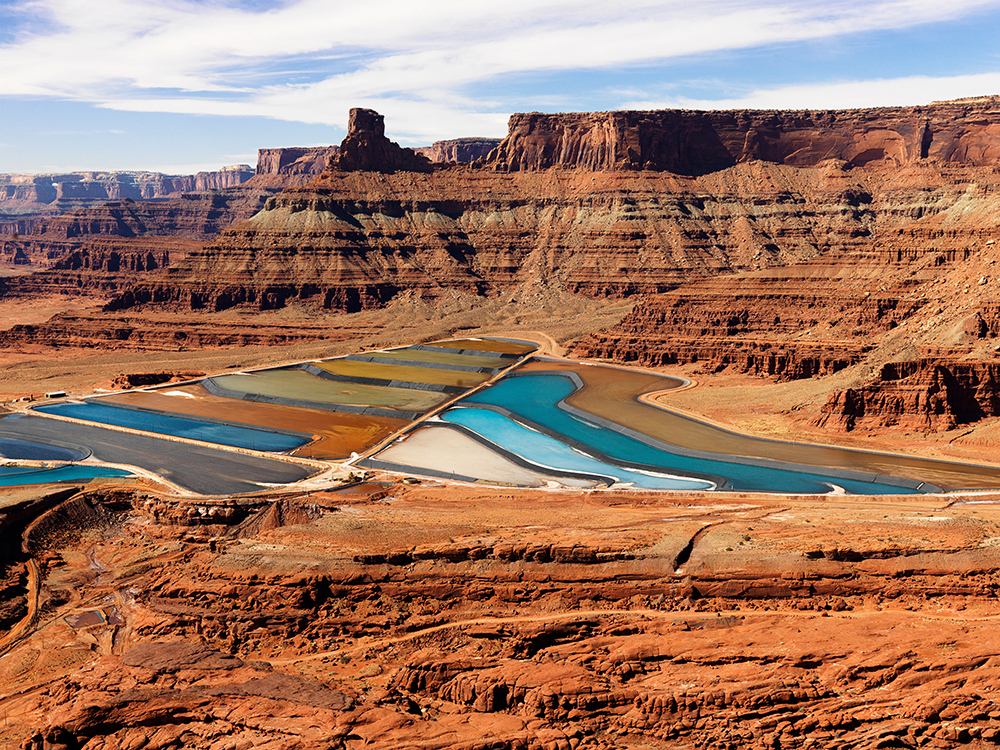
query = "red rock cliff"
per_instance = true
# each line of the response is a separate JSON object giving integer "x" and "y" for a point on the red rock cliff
{"x": 310, "y": 160}
{"x": 461, "y": 150}
{"x": 366, "y": 149}
{"x": 694, "y": 143}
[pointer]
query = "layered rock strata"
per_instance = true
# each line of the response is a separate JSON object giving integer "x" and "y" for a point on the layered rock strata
{"x": 27, "y": 199}
{"x": 695, "y": 143}
{"x": 920, "y": 278}
{"x": 352, "y": 240}
{"x": 921, "y": 394}
{"x": 460, "y": 150}
{"x": 100, "y": 266}
{"x": 403, "y": 618}
{"x": 294, "y": 161}
{"x": 194, "y": 216}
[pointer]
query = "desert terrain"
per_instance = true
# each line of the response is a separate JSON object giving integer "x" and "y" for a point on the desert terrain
{"x": 816, "y": 279}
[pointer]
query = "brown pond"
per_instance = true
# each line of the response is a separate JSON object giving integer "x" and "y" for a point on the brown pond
{"x": 613, "y": 393}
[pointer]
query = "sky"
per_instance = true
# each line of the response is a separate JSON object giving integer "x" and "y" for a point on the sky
{"x": 191, "y": 85}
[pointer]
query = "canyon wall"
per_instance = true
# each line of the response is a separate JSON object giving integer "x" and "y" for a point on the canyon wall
{"x": 461, "y": 150}
{"x": 24, "y": 192}
{"x": 927, "y": 394}
{"x": 696, "y": 143}
{"x": 380, "y": 220}
{"x": 296, "y": 160}
{"x": 192, "y": 216}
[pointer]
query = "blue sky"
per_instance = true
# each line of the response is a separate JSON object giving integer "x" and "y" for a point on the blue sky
{"x": 183, "y": 86}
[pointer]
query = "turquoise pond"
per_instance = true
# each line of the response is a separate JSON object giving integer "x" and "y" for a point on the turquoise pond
{"x": 192, "y": 429}
{"x": 12, "y": 476}
{"x": 548, "y": 452}
{"x": 535, "y": 400}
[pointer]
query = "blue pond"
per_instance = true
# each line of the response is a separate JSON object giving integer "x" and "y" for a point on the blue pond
{"x": 12, "y": 476}
{"x": 535, "y": 398}
{"x": 165, "y": 424}
{"x": 27, "y": 450}
{"x": 548, "y": 452}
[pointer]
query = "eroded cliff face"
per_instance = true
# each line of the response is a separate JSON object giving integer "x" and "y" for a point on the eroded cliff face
{"x": 27, "y": 199}
{"x": 100, "y": 266}
{"x": 928, "y": 394}
{"x": 461, "y": 150}
{"x": 695, "y": 143}
{"x": 920, "y": 283}
{"x": 193, "y": 216}
{"x": 294, "y": 165}
{"x": 351, "y": 240}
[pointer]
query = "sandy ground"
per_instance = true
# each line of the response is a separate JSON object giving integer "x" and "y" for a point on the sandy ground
{"x": 39, "y": 309}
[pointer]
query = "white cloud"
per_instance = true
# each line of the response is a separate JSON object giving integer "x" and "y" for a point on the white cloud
{"x": 413, "y": 60}
{"x": 907, "y": 91}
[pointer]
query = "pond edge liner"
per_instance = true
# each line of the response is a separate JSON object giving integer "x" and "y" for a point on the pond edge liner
{"x": 418, "y": 363}
{"x": 217, "y": 390}
{"x": 514, "y": 458}
{"x": 832, "y": 473}
{"x": 84, "y": 450}
{"x": 412, "y": 385}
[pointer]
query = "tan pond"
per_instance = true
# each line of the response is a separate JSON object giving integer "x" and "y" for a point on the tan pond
{"x": 408, "y": 373}
{"x": 299, "y": 385}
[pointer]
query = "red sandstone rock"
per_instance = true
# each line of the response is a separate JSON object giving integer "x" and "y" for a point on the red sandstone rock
{"x": 309, "y": 161}
{"x": 290, "y": 639}
{"x": 694, "y": 143}
{"x": 924, "y": 395}
{"x": 366, "y": 149}
{"x": 460, "y": 150}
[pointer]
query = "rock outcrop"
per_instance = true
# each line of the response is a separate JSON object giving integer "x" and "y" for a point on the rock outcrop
{"x": 919, "y": 394}
{"x": 294, "y": 161}
{"x": 460, "y": 150}
{"x": 100, "y": 266}
{"x": 27, "y": 199}
{"x": 696, "y": 143}
{"x": 366, "y": 149}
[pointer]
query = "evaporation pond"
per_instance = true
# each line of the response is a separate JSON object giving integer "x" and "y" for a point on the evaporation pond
{"x": 501, "y": 346}
{"x": 535, "y": 398}
{"x": 166, "y": 424}
{"x": 352, "y": 368}
{"x": 442, "y": 357}
{"x": 12, "y": 476}
{"x": 299, "y": 385}
{"x": 547, "y": 452}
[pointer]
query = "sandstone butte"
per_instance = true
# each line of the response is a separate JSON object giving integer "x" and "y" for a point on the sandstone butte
{"x": 828, "y": 276}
